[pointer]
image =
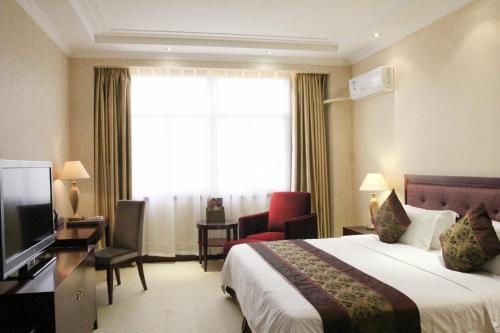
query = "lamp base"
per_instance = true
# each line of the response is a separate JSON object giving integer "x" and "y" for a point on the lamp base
{"x": 74, "y": 195}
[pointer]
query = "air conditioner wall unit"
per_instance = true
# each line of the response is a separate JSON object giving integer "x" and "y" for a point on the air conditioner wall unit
{"x": 374, "y": 82}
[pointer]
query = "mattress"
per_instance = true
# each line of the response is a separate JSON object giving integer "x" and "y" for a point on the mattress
{"x": 447, "y": 301}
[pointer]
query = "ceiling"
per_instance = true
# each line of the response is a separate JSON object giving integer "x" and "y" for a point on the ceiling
{"x": 325, "y": 32}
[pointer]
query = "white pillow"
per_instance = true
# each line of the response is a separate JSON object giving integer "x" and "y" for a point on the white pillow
{"x": 446, "y": 219}
{"x": 426, "y": 226}
{"x": 496, "y": 226}
{"x": 493, "y": 265}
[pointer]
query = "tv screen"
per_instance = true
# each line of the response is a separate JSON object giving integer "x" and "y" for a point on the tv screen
{"x": 26, "y": 211}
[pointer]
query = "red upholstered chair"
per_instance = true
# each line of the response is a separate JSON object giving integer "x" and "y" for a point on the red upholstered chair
{"x": 289, "y": 217}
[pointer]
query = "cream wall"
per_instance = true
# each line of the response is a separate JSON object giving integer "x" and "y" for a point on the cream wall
{"x": 339, "y": 131}
{"x": 82, "y": 120}
{"x": 443, "y": 117}
{"x": 34, "y": 106}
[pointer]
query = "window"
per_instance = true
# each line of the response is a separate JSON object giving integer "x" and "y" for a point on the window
{"x": 206, "y": 133}
{"x": 210, "y": 135}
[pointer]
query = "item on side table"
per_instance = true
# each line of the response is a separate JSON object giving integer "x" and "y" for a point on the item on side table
{"x": 215, "y": 211}
{"x": 373, "y": 182}
{"x": 73, "y": 170}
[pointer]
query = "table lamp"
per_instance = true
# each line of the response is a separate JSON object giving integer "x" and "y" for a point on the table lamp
{"x": 73, "y": 170}
{"x": 373, "y": 182}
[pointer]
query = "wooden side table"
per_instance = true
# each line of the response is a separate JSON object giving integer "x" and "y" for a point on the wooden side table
{"x": 204, "y": 242}
{"x": 357, "y": 230}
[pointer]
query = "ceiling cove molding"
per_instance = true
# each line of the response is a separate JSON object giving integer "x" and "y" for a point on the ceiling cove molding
{"x": 230, "y": 58}
{"x": 191, "y": 40}
{"x": 31, "y": 7}
{"x": 222, "y": 35}
{"x": 91, "y": 16}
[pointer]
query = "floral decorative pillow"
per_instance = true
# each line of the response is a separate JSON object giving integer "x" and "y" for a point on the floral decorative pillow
{"x": 392, "y": 220}
{"x": 470, "y": 242}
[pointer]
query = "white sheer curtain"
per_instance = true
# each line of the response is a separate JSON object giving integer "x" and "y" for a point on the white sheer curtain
{"x": 201, "y": 133}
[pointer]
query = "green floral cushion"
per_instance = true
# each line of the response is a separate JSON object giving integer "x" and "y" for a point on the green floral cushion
{"x": 391, "y": 221}
{"x": 470, "y": 242}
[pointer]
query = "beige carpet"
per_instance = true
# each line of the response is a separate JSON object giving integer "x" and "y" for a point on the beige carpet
{"x": 181, "y": 297}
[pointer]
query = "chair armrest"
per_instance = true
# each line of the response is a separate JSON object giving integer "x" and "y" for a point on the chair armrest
{"x": 302, "y": 227}
{"x": 252, "y": 224}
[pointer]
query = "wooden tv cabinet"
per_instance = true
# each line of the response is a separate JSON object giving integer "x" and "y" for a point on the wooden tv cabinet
{"x": 60, "y": 299}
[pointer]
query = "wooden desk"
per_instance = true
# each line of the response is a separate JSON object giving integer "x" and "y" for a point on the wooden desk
{"x": 82, "y": 236}
{"x": 62, "y": 298}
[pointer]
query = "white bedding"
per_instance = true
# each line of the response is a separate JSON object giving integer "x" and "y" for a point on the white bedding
{"x": 448, "y": 301}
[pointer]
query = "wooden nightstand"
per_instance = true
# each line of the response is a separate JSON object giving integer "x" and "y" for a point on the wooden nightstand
{"x": 357, "y": 230}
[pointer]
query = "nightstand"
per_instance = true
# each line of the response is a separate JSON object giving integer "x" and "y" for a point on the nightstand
{"x": 357, "y": 230}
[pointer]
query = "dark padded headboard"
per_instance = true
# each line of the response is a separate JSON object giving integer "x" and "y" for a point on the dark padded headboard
{"x": 459, "y": 194}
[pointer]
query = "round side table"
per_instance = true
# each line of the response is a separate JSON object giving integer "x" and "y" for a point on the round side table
{"x": 204, "y": 242}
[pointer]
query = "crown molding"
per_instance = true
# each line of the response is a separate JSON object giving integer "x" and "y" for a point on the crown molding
{"x": 236, "y": 58}
{"x": 220, "y": 41}
{"x": 91, "y": 16}
{"x": 34, "y": 11}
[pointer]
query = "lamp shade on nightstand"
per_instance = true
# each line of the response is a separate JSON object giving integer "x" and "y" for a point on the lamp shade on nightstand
{"x": 373, "y": 182}
{"x": 73, "y": 170}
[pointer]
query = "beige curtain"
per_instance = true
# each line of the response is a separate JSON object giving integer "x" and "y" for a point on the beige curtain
{"x": 309, "y": 152}
{"x": 112, "y": 141}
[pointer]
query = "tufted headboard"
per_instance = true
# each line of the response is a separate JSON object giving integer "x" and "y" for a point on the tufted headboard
{"x": 454, "y": 193}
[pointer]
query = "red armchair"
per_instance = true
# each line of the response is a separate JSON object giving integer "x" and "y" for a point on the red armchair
{"x": 289, "y": 217}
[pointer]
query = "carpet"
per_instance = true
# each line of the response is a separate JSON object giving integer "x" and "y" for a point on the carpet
{"x": 181, "y": 297}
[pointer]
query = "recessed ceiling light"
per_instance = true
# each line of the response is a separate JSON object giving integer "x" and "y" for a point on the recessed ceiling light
{"x": 169, "y": 49}
{"x": 269, "y": 52}
{"x": 377, "y": 35}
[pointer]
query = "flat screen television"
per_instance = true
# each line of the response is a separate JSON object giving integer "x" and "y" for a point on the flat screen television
{"x": 26, "y": 213}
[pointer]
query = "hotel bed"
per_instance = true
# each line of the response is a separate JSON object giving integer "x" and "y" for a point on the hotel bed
{"x": 415, "y": 280}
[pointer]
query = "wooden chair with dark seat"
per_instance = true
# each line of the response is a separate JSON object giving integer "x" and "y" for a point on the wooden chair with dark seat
{"x": 126, "y": 243}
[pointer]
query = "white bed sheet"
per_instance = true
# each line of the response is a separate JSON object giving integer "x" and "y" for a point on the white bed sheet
{"x": 448, "y": 301}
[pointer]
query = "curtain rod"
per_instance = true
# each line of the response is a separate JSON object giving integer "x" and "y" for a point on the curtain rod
{"x": 219, "y": 68}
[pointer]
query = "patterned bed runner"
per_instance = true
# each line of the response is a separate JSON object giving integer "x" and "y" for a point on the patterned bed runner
{"x": 347, "y": 299}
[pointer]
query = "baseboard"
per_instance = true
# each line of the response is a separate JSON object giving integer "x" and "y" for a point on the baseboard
{"x": 178, "y": 258}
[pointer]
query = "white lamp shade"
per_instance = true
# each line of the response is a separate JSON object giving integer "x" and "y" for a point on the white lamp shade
{"x": 373, "y": 182}
{"x": 73, "y": 170}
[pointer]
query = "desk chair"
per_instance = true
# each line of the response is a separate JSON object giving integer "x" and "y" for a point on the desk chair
{"x": 126, "y": 245}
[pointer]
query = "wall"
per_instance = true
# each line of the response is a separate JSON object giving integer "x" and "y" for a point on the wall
{"x": 339, "y": 131}
{"x": 82, "y": 96}
{"x": 34, "y": 81}
{"x": 444, "y": 114}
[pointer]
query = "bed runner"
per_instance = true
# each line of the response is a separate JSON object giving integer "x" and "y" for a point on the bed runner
{"x": 346, "y": 299}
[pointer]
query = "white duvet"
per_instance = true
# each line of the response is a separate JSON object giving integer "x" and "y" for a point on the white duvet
{"x": 448, "y": 301}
